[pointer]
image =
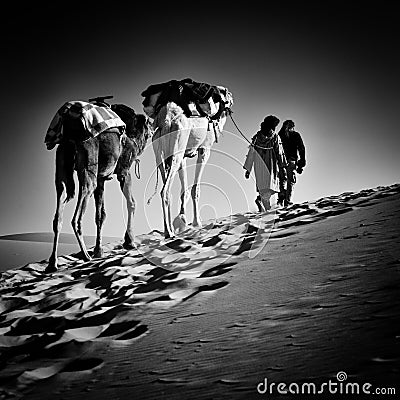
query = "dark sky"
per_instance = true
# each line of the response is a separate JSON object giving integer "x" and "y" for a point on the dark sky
{"x": 332, "y": 67}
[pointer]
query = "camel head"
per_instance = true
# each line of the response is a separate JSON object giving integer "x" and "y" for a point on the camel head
{"x": 218, "y": 105}
{"x": 137, "y": 125}
{"x": 226, "y": 96}
{"x": 138, "y": 131}
{"x": 139, "y": 128}
{"x": 149, "y": 104}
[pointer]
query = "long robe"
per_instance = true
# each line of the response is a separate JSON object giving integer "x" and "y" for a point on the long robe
{"x": 267, "y": 157}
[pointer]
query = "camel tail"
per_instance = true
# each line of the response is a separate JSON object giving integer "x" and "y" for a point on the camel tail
{"x": 65, "y": 168}
{"x": 70, "y": 187}
{"x": 69, "y": 176}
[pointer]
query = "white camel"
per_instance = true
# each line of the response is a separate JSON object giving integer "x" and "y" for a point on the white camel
{"x": 177, "y": 137}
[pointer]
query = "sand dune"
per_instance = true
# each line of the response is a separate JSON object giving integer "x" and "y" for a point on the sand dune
{"x": 296, "y": 294}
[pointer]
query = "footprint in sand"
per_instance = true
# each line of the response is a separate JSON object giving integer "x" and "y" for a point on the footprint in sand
{"x": 83, "y": 364}
{"x": 133, "y": 334}
{"x": 118, "y": 328}
{"x": 207, "y": 288}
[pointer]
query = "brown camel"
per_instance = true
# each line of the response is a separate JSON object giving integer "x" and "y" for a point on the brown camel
{"x": 95, "y": 161}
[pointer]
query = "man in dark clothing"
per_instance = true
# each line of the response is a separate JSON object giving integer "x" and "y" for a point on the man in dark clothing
{"x": 295, "y": 153}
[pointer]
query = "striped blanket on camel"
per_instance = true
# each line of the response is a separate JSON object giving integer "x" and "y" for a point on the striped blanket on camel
{"x": 96, "y": 119}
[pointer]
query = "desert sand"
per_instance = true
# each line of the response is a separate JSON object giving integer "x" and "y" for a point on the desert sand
{"x": 294, "y": 295}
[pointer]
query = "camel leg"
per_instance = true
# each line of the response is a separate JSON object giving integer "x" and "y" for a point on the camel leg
{"x": 175, "y": 164}
{"x": 64, "y": 183}
{"x": 202, "y": 158}
{"x": 57, "y": 225}
{"x": 182, "y": 173}
{"x": 127, "y": 190}
{"x": 87, "y": 168}
{"x": 100, "y": 216}
{"x": 163, "y": 168}
{"x": 87, "y": 185}
{"x": 160, "y": 164}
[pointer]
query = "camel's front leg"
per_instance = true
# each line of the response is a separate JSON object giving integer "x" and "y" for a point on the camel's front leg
{"x": 57, "y": 225}
{"x": 100, "y": 217}
{"x": 203, "y": 156}
{"x": 163, "y": 172}
{"x": 87, "y": 185}
{"x": 181, "y": 221}
{"x": 127, "y": 190}
{"x": 175, "y": 164}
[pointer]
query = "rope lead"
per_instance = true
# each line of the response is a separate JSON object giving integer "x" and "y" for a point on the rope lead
{"x": 137, "y": 168}
{"x": 155, "y": 191}
{"x": 247, "y": 140}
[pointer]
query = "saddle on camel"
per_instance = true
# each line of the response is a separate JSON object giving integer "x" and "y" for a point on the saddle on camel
{"x": 197, "y": 99}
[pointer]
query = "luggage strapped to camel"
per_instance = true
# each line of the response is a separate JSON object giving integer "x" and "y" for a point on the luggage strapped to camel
{"x": 96, "y": 116}
{"x": 184, "y": 93}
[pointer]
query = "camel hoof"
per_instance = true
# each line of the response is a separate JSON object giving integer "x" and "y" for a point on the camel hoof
{"x": 169, "y": 235}
{"x": 128, "y": 242}
{"x": 98, "y": 254}
{"x": 197, "y": 224}
{"x": 51, "y": 268}
{"x": 180, "y": 223}
{"x": 52, "y": 265}
{"x": 84, "y": 256}
{"x": 128, "y": 245}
